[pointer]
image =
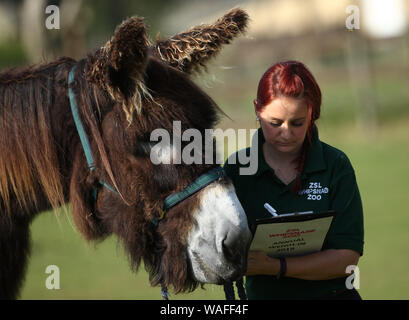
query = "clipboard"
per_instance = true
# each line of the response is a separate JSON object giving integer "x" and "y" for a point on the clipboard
{"x": 292, "y": 234}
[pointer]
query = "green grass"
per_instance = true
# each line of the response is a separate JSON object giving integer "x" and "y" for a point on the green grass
{"x": 381, "y": 165}
{"x": 87, "y": 271}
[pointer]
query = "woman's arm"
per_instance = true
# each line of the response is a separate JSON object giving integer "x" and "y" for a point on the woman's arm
{"x": 323, "y": 265}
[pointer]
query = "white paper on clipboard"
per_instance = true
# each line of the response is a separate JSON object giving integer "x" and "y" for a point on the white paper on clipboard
{"x": 292, "y": 235}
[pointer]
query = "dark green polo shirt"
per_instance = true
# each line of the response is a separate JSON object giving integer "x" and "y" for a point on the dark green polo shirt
{"x": 328, "y": 183}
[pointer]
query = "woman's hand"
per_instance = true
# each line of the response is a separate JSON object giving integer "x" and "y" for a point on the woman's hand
{"x": 259, "y": 263}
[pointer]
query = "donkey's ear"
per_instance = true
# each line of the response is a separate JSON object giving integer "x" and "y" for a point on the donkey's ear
{"x": 190, "y": 50}
{"x": 119, "y": 65}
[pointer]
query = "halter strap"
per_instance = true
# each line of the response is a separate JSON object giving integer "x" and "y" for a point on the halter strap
{"x": 78, "y": 123}
{"x": 86, "y": 146}
{"x": 201, "y": 182}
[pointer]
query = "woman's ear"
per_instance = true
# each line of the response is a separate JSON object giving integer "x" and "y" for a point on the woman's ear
{"x": 256, "y": 109}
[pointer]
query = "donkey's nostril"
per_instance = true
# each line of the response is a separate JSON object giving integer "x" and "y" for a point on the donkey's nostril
{"x": 227, "y": 251}
{"x": 231, "y": 252}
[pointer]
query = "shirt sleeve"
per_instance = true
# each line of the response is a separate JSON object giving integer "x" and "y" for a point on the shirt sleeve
{"x": 347, "y": 231}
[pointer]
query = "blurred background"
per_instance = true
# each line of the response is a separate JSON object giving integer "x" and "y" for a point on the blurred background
{"x": 360, "y": 58}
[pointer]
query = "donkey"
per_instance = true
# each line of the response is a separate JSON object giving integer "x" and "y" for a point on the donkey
{"x": 78, "y": 132}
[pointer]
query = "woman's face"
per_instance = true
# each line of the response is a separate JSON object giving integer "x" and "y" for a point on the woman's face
{"x": 284, "y": 123}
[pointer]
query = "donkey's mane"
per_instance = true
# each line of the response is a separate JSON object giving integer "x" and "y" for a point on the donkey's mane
{"x": 27, "y": 149}
{"x": 21, "y": 74}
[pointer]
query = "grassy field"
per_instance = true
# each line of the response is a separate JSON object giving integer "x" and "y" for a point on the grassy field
{"x": 381, "y": 161}
{"x": 382, "y": 167}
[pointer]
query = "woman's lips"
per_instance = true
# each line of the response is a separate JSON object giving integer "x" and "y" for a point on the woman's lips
{"x": 284, "y": 143}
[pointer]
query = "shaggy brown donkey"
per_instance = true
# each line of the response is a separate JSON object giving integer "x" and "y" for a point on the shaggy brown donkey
{"x": 123, "y": 91}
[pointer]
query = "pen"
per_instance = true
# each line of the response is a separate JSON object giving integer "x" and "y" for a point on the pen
{"x": 271, "y": 210}
{"x": 295, "y": 213}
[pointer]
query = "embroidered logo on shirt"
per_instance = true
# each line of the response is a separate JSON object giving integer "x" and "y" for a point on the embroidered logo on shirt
{"x": 314, "y": 191}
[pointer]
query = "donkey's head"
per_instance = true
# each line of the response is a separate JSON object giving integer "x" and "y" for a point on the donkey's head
{"x": 127, "y": 89}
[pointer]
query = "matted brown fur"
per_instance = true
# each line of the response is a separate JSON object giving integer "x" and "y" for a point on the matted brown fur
{"x": 124, "y": 92}
{"x": 28, "y": 155}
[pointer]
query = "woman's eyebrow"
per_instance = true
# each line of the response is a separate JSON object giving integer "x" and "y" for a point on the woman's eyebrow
{"x": 296, "y": 119}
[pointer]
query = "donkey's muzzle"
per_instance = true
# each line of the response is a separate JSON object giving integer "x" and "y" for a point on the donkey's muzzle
{"x": 219, "y": 241}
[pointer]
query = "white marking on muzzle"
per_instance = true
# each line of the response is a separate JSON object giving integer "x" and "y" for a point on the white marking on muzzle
{"x": 220, "y": 216}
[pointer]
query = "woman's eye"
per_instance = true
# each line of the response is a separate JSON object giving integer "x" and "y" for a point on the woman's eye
{"x": 298, "y": 124}
{"x": 274, "y": 124}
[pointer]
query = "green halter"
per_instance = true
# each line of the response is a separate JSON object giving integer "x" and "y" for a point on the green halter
{"x": 201, "y": 182}
{"x": 81, "y": 132}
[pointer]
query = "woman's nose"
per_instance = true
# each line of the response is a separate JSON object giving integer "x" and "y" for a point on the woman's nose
{"x": 285, "y": 131}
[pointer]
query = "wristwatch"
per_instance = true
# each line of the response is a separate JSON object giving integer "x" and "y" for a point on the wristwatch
{"x": 283, "y": 268}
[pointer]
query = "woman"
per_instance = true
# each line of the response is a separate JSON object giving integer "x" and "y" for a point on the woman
{"x": 298, "y": 172}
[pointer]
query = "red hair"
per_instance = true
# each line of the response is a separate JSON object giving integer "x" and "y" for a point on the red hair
{"x": 292, "y": 79}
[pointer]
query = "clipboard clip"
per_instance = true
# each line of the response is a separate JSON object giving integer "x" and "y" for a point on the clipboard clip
{"x": 273, "y": 212}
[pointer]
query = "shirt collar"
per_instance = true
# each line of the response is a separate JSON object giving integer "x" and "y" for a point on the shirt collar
{"x": 315, "y": 160}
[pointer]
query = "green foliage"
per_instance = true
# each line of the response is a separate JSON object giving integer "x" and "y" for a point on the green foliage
{"x": 109, "y": 14}
{"x": 12, "y": 54}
